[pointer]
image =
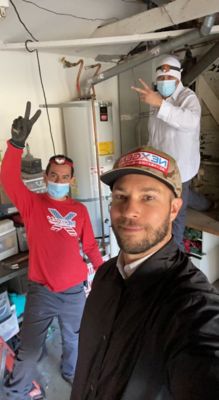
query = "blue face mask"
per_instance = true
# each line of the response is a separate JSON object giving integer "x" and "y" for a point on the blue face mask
{"x": 57, "y": 190}
{"x": 166, "y": 88}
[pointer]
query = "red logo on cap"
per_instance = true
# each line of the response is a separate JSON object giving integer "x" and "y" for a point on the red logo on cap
{"x": 145, "y": 159}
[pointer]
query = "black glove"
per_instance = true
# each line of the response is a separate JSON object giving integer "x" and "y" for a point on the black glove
{"x": 22, "y": 126}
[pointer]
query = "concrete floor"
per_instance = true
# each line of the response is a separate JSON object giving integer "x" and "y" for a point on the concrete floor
{"x": 48, "y": 368}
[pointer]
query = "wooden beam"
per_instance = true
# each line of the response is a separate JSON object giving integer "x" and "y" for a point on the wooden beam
{"x": 160, "y": 2}
{"x": 209, "y": 98}
{"x": 173, "y": 13}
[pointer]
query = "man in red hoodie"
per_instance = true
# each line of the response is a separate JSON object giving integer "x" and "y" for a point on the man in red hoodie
{"x": 58, "y": 228}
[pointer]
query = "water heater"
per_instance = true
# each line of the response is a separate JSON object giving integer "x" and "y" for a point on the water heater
{"x": 89, "y": 140}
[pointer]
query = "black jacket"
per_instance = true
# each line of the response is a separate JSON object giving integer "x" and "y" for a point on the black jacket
{"x": 154, "y": 336}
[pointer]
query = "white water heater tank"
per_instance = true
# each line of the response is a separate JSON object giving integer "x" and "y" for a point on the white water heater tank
{"x": 81, "y": 147}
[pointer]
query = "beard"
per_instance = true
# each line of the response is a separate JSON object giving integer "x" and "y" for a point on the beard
{"x": 152, "y": 237}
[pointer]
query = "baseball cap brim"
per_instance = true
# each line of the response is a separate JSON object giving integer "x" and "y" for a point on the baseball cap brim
{"x": 111, "y": 176}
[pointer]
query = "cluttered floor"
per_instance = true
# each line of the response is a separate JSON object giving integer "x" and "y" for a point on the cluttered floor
{"x": 47, "y": 383}
{"x": 48, "y": 368}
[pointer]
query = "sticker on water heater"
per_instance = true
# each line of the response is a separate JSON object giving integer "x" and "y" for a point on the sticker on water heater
{"x": 105, "y": 148}
{"x": 93, "y": 170}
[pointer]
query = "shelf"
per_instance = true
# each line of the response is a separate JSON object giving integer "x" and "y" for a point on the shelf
{"x": 210, "y": 162}
{"x": 7, "y": 210}
{"x": 6, "y": 273}
{"x": 201, "y": 222}
{"x": 199, "y": 257}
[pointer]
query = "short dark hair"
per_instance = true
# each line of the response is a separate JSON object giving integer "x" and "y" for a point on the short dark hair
{"x": 60, "y": 159}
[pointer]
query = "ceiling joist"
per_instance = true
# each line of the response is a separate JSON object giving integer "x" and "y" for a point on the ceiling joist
{"x": 209, "y": 97}
{"x": 173, "y": 13}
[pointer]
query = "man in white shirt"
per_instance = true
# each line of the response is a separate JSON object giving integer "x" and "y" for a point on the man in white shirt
{"x": 174, "y": 127}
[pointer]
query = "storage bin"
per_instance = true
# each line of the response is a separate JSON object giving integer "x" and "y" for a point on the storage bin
{"x": 8, "y": 239}
{"x": 22, "y": 238}
{"x": 5, "y": 308}
{"x": 10, "y": 327}
{"x": 19, "y": 300}
{"x": 36, "y": 184}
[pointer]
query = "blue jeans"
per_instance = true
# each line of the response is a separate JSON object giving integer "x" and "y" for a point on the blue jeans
{"x": 41, "y": 307}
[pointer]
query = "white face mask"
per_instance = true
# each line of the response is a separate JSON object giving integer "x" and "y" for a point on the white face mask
{"x": 57, "y": 190}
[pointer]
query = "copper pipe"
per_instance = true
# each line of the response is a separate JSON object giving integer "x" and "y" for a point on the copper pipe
{"x": 68, "y": 64}
{"x": 78, "y": 86}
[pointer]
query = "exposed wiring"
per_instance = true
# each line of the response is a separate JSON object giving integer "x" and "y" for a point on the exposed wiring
{"x": 25, "y": 27}
{"x": 39, "y": 69}
{"x": 43, "y": 89}
{"x": 69, "y": 14}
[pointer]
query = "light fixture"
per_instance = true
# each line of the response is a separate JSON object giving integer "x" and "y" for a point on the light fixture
{"x": 3, "y": 5}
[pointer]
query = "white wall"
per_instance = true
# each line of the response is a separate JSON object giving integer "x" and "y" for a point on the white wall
{"x": 20, "y": 82}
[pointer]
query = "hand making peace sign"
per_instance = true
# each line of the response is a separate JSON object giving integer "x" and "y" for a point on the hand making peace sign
{"x": 22, "y": 126}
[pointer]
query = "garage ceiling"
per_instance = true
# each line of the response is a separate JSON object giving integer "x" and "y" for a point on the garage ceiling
{"x": 99, "y": 28}
{"x": 55, "y": 20}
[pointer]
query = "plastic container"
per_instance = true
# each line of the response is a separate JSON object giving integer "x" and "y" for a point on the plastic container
{"x": 8, "y": 239}
{"x": 5, "y": 308}
{"x": 10, "y": 327}
{"x": 22, "y": 238}
{"x": 19, "y": 300}
{"x": 36, "y": 184}
{"x": 6, "y": 225}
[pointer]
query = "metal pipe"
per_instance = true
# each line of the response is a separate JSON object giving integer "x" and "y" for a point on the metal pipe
{"x": 98, "y": 172}
{"x": 202, "y": 64}
{"x": 156, "y": 51}
{"x": 100, "y": 41}
{"x": 207, "y": 24}
{"x": 98, "y": 67}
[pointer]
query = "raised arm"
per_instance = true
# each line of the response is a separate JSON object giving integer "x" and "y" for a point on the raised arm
{"x": 11, "y": 164}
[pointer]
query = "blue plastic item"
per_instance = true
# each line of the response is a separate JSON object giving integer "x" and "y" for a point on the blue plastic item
{"x": 19, "y": 300}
